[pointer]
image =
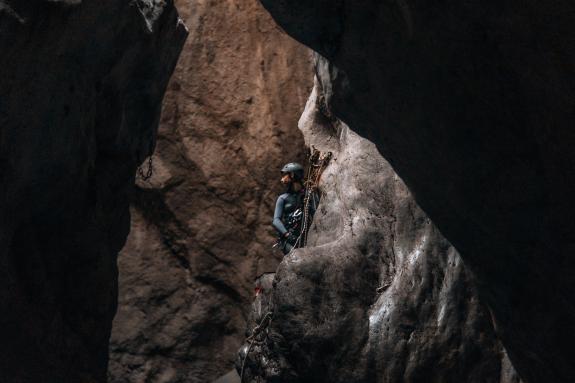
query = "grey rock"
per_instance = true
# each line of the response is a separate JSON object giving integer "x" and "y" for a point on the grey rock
{"x": 378, "y": 294}
{"x": 80, "y": 95}
{"x": 472, "y": 104}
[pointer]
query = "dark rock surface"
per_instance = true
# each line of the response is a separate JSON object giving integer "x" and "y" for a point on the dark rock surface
{"x": 473, "y": 105}
{"x": 378, "y": 294}
{"x": 201, "y": 229}
{"x": 81, "y": 84}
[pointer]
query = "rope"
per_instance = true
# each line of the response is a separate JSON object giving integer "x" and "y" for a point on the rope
{"x": 317, "y": 163}
{"x": 252, "y": 339}
{"x": 148, "y": 174}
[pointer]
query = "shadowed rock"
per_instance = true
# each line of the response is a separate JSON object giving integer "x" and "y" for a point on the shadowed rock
{"x": 80, "y": 95}
{"x": 472, "y": 104}
{"x": 378, "y": 294}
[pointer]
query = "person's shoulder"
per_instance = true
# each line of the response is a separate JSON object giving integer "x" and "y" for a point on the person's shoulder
{"x": 283, "y": 196}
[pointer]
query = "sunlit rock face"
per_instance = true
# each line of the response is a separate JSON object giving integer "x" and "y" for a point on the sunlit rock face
{"x": 201, "y": 230}
{"x": 472, "y": 104}
{"x": 81, "y": 85}
{"x": 378, "y": 294}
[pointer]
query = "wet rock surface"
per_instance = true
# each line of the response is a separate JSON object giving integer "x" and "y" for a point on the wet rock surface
{"x": 378, "y": 294}
{"x": 201, "y": 229}
{"x": 81, "y": 86}
{"x": 472, "y": 104}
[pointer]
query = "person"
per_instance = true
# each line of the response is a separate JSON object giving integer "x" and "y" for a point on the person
{"x": 289, "y": 211}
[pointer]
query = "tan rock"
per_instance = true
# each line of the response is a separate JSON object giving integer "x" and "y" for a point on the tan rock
{"x": 201, "y": 230}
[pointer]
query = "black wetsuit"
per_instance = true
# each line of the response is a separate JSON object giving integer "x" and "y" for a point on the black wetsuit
{"x": 288, "y": 217}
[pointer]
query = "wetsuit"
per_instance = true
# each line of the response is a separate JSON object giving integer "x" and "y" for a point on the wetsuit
{"x": 288, "y": 217}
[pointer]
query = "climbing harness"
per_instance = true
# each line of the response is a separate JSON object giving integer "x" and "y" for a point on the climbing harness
{"x": 264, "y": 323}
{"x": 294, "y": 218}
{"x": 318, "y": 161}
{"x": 148, "y": 174}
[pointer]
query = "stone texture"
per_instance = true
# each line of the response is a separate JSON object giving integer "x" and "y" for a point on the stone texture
{"x": 378, "y": 294}
{"x": 202, "y": 231}
{"x": 472, "y": 104}
{"x": 80, "y": 95}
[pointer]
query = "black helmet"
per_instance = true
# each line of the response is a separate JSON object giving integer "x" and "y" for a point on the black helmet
{"x": 295, "y": 168}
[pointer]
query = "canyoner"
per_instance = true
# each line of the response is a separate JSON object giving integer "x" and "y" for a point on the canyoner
{"x": 295, "y": 208}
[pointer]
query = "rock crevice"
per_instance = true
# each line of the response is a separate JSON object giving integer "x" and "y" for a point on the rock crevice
{"x": 201, "y": 230}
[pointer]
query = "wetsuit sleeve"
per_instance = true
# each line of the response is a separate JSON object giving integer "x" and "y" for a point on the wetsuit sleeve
{"x": 277, "y": 222}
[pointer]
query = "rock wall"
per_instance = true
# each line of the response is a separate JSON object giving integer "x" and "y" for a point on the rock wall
{"x": 201, "y": 231}
{"x": 81, "y": 86}
{"x": 378, "y": 294}
{"x": 472, "y": 104}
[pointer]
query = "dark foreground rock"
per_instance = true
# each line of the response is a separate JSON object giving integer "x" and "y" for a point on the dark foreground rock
{"x": 201, "y": 229}
{"x": 472, "y": 104}
{"x": 81, "y": 84}
{"x": 378, "y": 294}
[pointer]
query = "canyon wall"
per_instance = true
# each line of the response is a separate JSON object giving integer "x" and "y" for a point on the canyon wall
{"x": 201, "y": 229}
{"x": 81, "y": 85}
{"x": 378, "y": 294}
{"x": 472, "y": 105}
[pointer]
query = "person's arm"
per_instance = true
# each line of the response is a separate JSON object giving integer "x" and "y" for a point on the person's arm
{"x": 277, "y": 222}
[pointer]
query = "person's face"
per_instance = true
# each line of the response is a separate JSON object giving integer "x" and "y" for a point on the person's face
{"x": 286, "y": 178}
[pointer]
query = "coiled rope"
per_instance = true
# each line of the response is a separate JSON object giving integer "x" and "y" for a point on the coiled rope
{"x": 264, "y": 323}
